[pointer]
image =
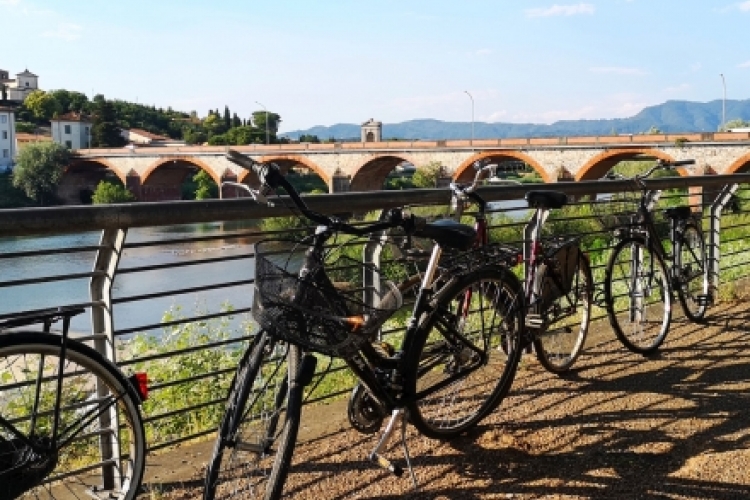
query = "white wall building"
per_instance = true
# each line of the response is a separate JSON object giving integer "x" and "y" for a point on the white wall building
{"x": 8, "y": 145}
{"x": 24, "y": 84}
{"x": 72, "y": 130}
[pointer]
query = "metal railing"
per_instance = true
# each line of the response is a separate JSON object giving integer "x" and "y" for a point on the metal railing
{"x": 190, "y": 356}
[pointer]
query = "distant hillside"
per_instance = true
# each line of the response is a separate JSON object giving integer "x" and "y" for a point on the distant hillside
{"x": 670, "y": 117}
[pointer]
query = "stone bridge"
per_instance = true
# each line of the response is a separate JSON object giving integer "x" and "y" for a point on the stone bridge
{"x": 156, "y": 174}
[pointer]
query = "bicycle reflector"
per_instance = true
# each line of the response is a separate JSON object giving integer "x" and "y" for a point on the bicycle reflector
{"x": 140, "y": 383}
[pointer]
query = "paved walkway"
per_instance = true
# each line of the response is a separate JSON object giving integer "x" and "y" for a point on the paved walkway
{"x": 619, "y": 426}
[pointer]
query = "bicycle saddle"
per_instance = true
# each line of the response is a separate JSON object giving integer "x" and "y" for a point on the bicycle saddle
{"x": 546, "y": 199}
{"x": 448, "y": 233}
{"x": 678, "y": 212}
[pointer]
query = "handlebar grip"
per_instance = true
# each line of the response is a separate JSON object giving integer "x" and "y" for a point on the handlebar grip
{"x": 243, "y": 161}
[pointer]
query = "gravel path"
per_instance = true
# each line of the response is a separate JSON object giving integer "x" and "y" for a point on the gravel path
{"x": 620, "y": 426}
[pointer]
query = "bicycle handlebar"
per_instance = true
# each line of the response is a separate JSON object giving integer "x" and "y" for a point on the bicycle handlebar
{"x": 270, "y": 175}
{"x": 660, "y": 165}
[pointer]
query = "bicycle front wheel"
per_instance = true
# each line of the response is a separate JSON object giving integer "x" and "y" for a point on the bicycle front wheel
{"x": 638, "y": 296}
{"x": 692, "y": 266}
{"x": 72, "y": 428}
{"x": 256, "y": 440}
{"x": 465, "y": 353}
{"x": 567, "y": 320}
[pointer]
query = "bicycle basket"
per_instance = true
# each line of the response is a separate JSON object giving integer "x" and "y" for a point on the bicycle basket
{"x": 618, "y": 209}
{"x": 333, "y": 308}
{"x": 562, "y": 263}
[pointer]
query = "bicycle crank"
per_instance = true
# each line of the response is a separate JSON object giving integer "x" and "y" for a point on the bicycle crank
{"x": 365, "y": 413}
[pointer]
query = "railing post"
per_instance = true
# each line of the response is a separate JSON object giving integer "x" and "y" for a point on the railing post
{"x": 714, "y": 235}
{"x": 102, "y": 323}
{"x": 371, "y": 259}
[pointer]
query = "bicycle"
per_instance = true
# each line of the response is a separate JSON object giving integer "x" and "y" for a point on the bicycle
{"x": 70, "y": 423}
{"x": 638, "y": 285}
{"x": 449, "y": 373}
{"x": 558, "y": 285}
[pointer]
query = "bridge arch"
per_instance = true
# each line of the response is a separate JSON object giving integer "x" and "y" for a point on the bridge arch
{"x": 371, "y": 175}
{"x": 286, "y": 162}
{"x": 151, "y": 171}
{"x": 741, "y": 164}
{"x": 465, "y": 171}
{"x": 598, "y": 166}
{"x": 82, "y": 176}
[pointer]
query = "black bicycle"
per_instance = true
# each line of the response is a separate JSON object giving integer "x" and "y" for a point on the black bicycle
{"x": 638, "y": 284}
{"x": 455, "y": 364}
{"x": 70, "y": 422}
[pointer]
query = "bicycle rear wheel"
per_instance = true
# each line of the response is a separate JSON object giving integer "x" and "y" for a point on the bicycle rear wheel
{"x": 692, "y": 282}
{"x": 465, "y": 353}
{"x": 98, "y": 449}
{"x": 638, "y": 296}
{"x": 257, "y": 435}
{"x": 558, "y": 346}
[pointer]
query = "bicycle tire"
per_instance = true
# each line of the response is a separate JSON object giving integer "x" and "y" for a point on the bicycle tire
{"x": 457, "y": 380}
{"x": 254, "y": 446}
{"x": 641, "y": 325}
{"x": 691, "y": 264}
{"x": 561, "y": 343}
{"x": 91, "y": 386}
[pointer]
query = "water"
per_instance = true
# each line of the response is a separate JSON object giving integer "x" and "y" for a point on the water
{"x": 142, "y": 312}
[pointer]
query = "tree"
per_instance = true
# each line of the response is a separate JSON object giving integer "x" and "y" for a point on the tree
{"x": 259, "y": 119}
{"x": 737, "y": 123}
{"x": 108, "y": 192}
{"x": 42, "y": 105}
{"x": 39, "y": 169}
{"x": 227, "y": 118}
{"x": 105, "y": 132}
{"x": 427, "y": 176}
{"x": 206, "y": 186}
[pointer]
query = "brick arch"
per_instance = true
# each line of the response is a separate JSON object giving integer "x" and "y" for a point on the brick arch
{"x": 104, "y": 163}
{"x": 465, "y": 169}
{"x": 741, "y": 164}
{"x": 187, "y": 159}
{"x": 602, "y": 163}
{"x": 285, "y": 162}
{"x": 372, "y": 174}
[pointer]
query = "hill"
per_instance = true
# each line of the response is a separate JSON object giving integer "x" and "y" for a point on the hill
{"x": 670, "y": 117}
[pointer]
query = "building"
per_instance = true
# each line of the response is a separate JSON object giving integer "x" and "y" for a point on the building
{"x": 138, "y": 137}
{"x": 17, "y": 89}
{"x": 372, "y": 131}
{"x": 8, "y": 145}
{"x": 72, "y": 130}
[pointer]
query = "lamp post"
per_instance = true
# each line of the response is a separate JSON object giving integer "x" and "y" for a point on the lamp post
{"x": 472, "y": 117}
{"x": 723, "y": 102}
{"x": 264, "y": 108}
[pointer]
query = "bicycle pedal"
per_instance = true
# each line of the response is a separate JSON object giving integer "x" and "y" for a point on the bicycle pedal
{"x": 534, "y": 321}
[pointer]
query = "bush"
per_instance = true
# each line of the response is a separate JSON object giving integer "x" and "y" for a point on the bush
{"x": 108, "y": 192}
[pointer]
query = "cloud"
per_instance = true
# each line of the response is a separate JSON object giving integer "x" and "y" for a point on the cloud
{"x": 617, "y": 70}
{"x": 65, "y": 31}
{"x": 561, "y": 10}
{"x": 744, "y": 6}
{"x": 745, "y": 64}
{"x": 10, "y": 2}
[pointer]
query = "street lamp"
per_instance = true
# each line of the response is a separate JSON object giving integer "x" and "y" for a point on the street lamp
{"x": 723, "y": 103}
{"x": 264, "y": 108}
{"x": 472, "y": 117}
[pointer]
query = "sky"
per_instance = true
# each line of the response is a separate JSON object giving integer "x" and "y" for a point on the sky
{"x": 323, "y": 62}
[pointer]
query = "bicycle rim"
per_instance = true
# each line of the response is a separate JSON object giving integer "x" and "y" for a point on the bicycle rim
{"x": 559, "y": 345}
{"x": 256, "y": 440}
{"x": 100, "y": 447}
{"x": 467, "y": 352}
{"x": 692, "y": 282}
{"x": 638, "y": 296}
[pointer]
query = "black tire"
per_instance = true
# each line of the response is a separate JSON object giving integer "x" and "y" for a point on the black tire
{"x": 257, "y": 436}
{"x": 692, "y": 266}
{"x": 559, "y": 345}
{"x": 94, "y": 399}
{"x": 465, "y": 365}
{"x": 639, "y": 298}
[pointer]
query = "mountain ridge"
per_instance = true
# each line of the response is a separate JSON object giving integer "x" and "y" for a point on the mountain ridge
{"x": 673, "y": 116}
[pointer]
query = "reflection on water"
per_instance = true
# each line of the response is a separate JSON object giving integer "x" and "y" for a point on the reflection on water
{"x": 129, "y": 284}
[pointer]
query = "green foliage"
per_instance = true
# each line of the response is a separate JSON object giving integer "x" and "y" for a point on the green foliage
{"x": 39, "y": 169}
{"x": 109, "y": 191}
{"x": 309, "y": 138}
{"x": 427, "y": 176}
{"x": 206, "y": 187}
{"x": 25, "y": 127}
{"x": 105, "y": 132}
{"x": 736, "y": 123}
{"x": 11, "y": 196}
{"x": 42, "y": 105}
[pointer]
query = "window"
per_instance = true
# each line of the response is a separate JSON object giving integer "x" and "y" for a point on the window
{"x": 3, "y": 118}
{"x": 5, "y": 134}
{"x": 69, "y": 144}
{"x": 6, "y": 153}
{"x": 67, "y": 129}
{"x": 86, "y": 130}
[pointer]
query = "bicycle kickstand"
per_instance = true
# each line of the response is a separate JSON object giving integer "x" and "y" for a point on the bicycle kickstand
{"x": 398, "y": 416}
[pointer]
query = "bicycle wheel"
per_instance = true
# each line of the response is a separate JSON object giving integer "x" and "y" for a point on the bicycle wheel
{"x": 560, "y": 343}
{"x": 462, "y": 371}
{"x": 256, "y": 440}
{"x": 95, "y": 448}
{"x": 691, "y": 264}
{"x": 638, "y": 296}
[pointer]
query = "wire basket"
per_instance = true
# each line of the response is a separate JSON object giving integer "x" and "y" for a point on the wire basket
{"x": 332, "y": 308}
{"x": 618, "y": 209}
